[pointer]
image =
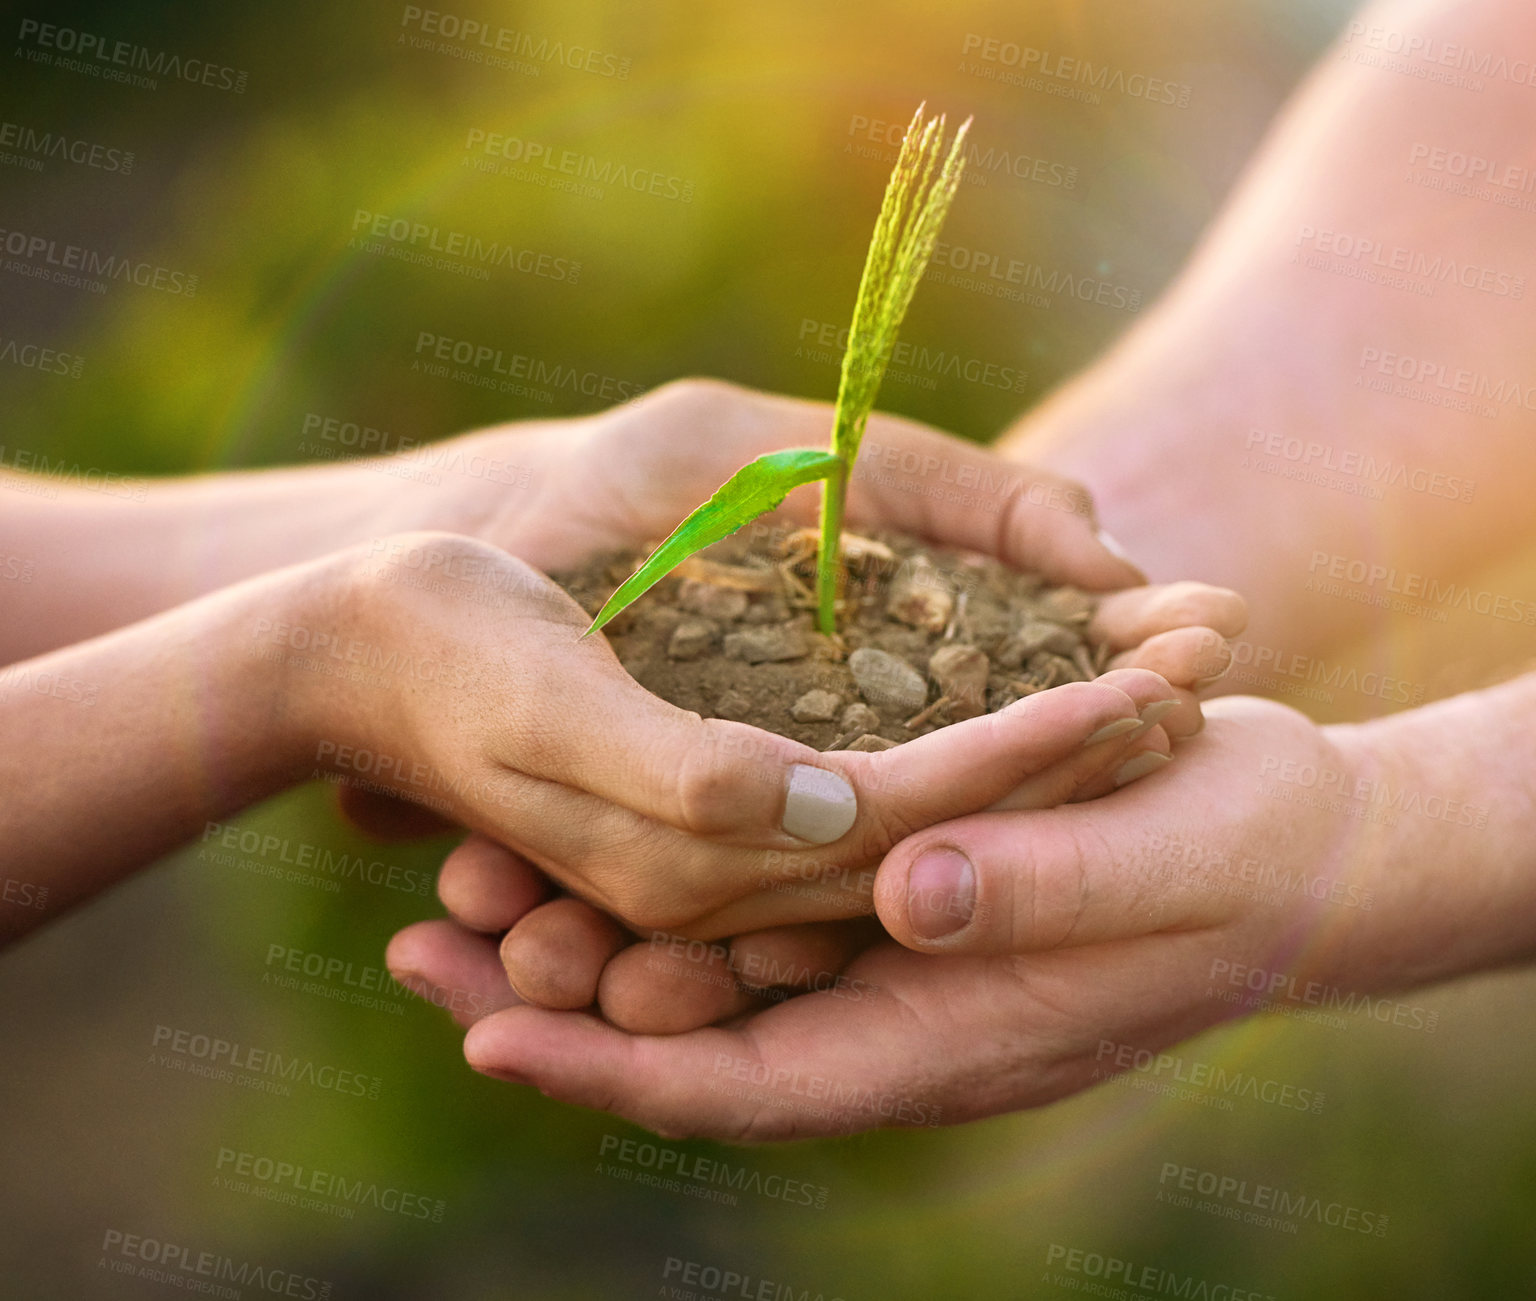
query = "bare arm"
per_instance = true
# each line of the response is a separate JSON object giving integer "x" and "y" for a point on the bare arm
{"x": 1289, "y": 399}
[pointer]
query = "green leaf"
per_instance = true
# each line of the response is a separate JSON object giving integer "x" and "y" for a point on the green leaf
{"x": 753, "y": 490}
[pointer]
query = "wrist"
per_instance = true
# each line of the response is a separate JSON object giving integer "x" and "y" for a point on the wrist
{"x": 1454, "y": 873}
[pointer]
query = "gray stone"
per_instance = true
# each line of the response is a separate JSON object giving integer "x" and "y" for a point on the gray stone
{"x": 712, "y": 601}
{"x": 815, "y": 707}
{"x": 961, "y": 672}
{"x": 1034, "y": 636}
{"x": 771, "y": 643}
{"x": 692, "y": 638}
{"x": 889, "y": 684}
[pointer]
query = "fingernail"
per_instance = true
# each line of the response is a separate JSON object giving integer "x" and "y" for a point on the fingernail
{"x": 1154, "y": 714}
{"x": 1119, "y": 552}
{"x": 1140, "y": 766}
{"x": 820, "y": 805}
{"x": 1111, "y": 730}
{"x": 941, "y": 893}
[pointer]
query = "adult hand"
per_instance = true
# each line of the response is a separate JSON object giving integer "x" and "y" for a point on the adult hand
{"x": 1276, "y": 856}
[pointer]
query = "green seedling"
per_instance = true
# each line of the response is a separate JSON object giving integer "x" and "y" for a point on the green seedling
{"x": 917, "y": 197}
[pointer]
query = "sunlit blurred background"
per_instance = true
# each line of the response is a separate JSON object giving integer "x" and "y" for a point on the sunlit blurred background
{"x": 766, "y": 126}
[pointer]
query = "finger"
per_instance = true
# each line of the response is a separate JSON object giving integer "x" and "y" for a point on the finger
{"x": 668, "y": 985}
{"x": 726, "y": 1083}
{"x": 1191, "y": 658}
{"x": 452, "y": 968}
{"x": 1126, "y": 619}
{"x": 1027, "y": 882}
{"x": 1026, "y": 517}
{"x": 1147, "y": 755}
{"x": 660, "y": 879}
{"x": 488, "y": 887}
{"x": 386, "y": 818}
{"x": 555, "y": 955}
{"x": 801, "y": 957}
{"x": 1152, "y": 698}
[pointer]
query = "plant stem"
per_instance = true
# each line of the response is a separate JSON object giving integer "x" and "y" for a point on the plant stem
{"x": 829, "y": 556}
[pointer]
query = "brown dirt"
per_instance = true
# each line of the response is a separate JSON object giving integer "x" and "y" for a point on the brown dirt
{"x": 692, "y": 638}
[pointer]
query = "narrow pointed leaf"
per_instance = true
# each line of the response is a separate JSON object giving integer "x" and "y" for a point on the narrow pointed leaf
{"x": 753, "y": 490}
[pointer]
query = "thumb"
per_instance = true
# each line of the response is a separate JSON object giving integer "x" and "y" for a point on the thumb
{"x": 1029, "y": 882}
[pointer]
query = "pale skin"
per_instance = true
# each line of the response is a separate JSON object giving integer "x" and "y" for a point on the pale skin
{"x": 1122, "y": 921}
{"x": 438, "y": 669}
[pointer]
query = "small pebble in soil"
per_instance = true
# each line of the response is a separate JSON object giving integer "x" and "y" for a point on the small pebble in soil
{"x": 921, "y": 596}
{"x": 711, "y": 600}
{"x": 869, "y": 743}
{"x": 961, "y": 673}
{"x": 888, "y": 683}
{"x": 859, "y": 717}
{"x": 733, "y": 705}
{"x": 768, "y": 644}
{"x": 817, "y": 707}
{"x": 692, "y": 638}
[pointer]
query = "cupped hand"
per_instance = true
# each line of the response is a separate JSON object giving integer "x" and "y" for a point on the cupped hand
{"x": 1130, "y": 921}
{"x": 459, "y": 677}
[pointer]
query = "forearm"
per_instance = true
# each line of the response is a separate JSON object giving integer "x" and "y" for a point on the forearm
{"x": 1259, "y": 415}
{"x": 123, "y": 747}
{"x": 98, "y": 560}
{"x": 1455, "y": 885}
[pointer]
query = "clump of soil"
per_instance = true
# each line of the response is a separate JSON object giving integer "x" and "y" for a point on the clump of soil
{"x": 927, "y": 636}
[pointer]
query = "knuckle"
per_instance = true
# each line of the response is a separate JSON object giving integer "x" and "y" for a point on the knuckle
{"x": 1048, "y": 883}
{"x": 708, "y": 789}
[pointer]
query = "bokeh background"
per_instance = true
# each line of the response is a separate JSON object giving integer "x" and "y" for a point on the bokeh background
{"x": 759, "y": 117}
